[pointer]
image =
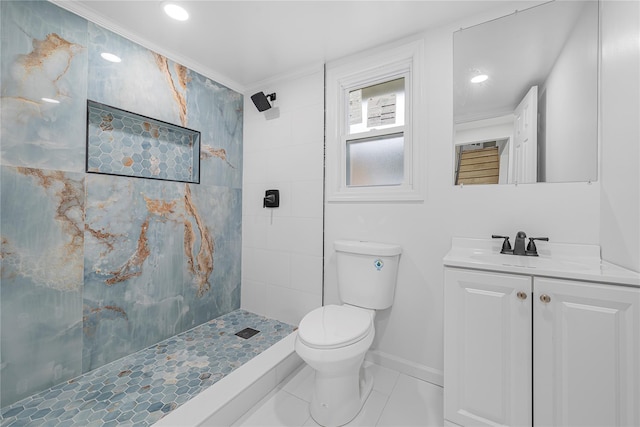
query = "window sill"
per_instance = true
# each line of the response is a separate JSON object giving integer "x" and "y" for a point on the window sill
{"x": 376, "y": 196}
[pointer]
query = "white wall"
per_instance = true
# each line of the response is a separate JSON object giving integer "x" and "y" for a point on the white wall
{"x": 569, "y": 145}
{"x": 620, "y": 152}
{"x": 484, "y": 130}
{"x": 282, "y": 247}
{"x": 409, "y": 335}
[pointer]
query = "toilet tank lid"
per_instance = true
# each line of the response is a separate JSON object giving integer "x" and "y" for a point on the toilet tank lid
{"x": 367, "y": 248}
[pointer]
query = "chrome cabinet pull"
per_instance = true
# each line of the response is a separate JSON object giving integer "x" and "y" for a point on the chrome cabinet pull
{"x": 545, "y": 298}
{"x": 522, "y": 295}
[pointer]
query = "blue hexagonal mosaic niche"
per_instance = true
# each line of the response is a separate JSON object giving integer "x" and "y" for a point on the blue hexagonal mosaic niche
{"x": 123, "y": 143}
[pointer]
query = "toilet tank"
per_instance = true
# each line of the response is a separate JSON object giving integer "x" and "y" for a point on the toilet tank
{"x": 367, "y": 272}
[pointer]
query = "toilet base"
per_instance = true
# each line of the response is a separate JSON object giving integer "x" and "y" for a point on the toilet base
{"x": 338, "y": 400}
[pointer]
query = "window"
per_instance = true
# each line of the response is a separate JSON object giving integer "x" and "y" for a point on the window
{"x": 374, "y": 139}
{"x": 375, "y": 161}
{"x": 371, "y": 145}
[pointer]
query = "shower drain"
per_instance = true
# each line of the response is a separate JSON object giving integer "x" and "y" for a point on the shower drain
{"x": 247, "y": 333}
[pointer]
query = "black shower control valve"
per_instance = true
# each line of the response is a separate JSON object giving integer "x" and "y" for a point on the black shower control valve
{"x": 531, "y": 247}
{"x": 506, "y": 245}
{"x": 271, "y": 199}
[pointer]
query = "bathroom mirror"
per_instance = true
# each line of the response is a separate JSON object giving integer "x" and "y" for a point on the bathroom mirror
{"x": 525, "y": 96}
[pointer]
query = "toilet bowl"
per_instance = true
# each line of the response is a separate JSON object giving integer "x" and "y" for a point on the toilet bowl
{"x": 333, "y": 340}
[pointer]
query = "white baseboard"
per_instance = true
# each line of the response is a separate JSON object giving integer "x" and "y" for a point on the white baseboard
{"x": 425, "y": 373}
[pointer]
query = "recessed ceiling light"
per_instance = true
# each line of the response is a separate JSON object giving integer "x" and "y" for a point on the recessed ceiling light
{"x": 175, "y": 11}
{"x": 479, "y": 78}
{"x": 110, "y": 57}
{"x": 50, "y": 100}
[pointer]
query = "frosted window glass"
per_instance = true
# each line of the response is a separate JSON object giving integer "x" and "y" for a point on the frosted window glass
{"x": 375, "y": 161}
{"x": 362, "y": 101}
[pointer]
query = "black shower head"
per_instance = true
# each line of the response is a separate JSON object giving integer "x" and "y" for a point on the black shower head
{"x": 261, "y": 101}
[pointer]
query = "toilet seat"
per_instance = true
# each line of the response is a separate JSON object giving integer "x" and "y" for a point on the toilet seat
{"x": 335, "y": 326}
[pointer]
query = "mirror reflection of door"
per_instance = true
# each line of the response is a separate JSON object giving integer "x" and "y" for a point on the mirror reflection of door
{"x": 495, "y": 161}
{"x": 526, "y": 138}
{"x": 530, "y": 79}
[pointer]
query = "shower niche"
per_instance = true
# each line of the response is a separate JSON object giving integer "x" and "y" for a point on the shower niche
{"x": 123, "y": 143}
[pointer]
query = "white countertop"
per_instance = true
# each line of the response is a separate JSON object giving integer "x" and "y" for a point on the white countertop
{"x": 561, "y": 260}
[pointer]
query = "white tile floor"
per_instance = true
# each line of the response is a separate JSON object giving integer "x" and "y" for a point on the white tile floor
{"x": 396, "y": 400}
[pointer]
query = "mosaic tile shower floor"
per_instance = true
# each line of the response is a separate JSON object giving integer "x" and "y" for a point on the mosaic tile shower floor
{"x": 143, "y": 387}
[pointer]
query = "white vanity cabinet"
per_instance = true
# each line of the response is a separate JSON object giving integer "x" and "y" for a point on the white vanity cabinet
{"x": 529, "y": 342}
{"x": 586, "y": 354}
{"x": 488, "y": 351}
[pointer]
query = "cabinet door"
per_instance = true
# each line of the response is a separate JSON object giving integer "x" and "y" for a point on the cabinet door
{"x": 586, "y": 354}
{"x": 487, "y": 348}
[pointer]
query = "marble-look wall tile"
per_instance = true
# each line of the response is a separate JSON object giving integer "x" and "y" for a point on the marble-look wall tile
{"x": 96, "y": 267}
{"x": 212, "y": 252}
{"x": 217, "y": 112}
{"x": 150, "y": 84}
{"x": 133, "y": 293}
{"x": 41, "y": 285}
{"x": 144, "y": 82}
{"x": 43, "y": 55}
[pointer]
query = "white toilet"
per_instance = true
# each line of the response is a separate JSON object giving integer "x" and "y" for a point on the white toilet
{"x": 333, "y": 339}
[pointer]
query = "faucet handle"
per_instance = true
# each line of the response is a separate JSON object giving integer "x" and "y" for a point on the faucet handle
{"x": 506, "y": 245}
{"x": 531, "y": 247}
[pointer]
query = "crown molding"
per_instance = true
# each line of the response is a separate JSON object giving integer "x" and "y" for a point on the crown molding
{"x": 286, "y": 77}
{"x": 86, "y": 13}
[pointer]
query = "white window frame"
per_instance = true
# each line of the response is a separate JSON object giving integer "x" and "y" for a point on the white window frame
{"x": 378, "y": 67}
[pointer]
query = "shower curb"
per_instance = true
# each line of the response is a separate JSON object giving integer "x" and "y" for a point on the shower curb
{"x": 227, "y": 400}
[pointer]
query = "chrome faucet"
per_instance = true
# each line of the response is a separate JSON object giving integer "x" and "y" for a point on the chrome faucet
{"x": 519, "y": 248}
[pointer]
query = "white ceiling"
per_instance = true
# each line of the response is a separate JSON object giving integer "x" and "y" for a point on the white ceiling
{"x": 517, "y": 51}
{"x": 242, "y": 43}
